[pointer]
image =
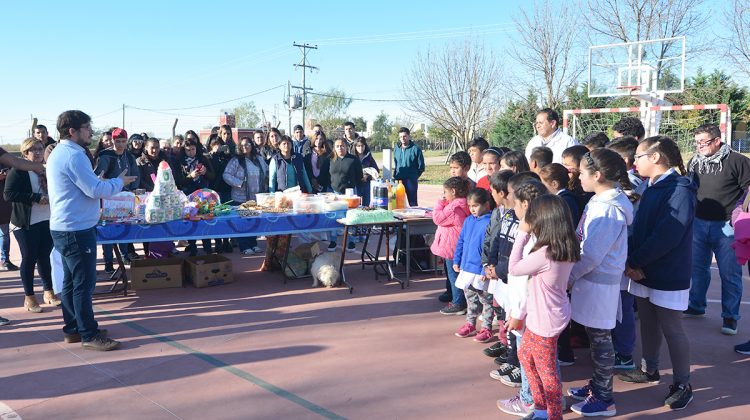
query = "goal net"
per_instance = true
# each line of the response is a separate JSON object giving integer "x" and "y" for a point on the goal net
{"x": 675, "y": 121}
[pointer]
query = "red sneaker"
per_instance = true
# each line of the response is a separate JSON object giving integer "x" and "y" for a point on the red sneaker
{"x": 485, "y": 335}
{"x": 466, "y": 330}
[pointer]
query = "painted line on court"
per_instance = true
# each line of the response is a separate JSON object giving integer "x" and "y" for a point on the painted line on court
{"x": 226, "y": 367}
{"x": 719, "y": 301}
{"x": 7, "y": 413}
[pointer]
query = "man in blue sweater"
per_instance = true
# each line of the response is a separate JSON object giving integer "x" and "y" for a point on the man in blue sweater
{"x": 74, "y": 194}
{"x": 408, "y": 164}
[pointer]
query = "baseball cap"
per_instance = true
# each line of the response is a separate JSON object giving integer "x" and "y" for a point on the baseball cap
{"x": 119, "y": 133}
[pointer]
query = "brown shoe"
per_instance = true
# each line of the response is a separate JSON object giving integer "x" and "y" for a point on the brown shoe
{"x": 51, "y": 299}
{"x": 31, "y": 304}
{"x": 100, "y": 343}
{"x": 76, "y": 338}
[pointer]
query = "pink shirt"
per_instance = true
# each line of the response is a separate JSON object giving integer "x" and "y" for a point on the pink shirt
{"x": 547, "y": 304}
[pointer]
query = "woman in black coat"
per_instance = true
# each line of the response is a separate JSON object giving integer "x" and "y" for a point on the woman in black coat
{"x": 346, "y": 169}
{"x": 27, "y": 192}
{"x": 318, "y": 164}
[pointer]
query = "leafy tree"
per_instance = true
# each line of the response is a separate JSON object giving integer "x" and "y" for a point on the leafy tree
{"x": 381, "y": 129}
{"x": 515, "y": 125}
{"x": 329, "y": 108}
{"x": 360, "y": 124}
{"x": 245, "y": 115}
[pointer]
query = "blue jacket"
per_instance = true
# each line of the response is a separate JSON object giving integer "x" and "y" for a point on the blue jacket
{"x": 408, "y": 161}
{"x": 662, "y": 240}
{"x": 468, "y": 254}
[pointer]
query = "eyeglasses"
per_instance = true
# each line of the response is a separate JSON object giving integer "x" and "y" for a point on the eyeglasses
{"x": 35, "y": 150}
{"x": 705, "y": 142}
{"x": 640, "y": 155}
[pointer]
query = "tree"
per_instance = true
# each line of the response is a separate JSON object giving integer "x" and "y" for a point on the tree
{"x": 360, "y": 124}
{"x": 515, "y": 125}
{"x": 455, "y": 88}
{"x": 737, "y": 42}
{"x": 329, "y": 108}
{"x": 716, "y": 88}
{"x": 381, "y": 129}
{"x": 245, "y": 115}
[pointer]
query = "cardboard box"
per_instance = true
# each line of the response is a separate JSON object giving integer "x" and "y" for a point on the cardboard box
{"x": 208, "y": 270}
{"x": 156, "y": 274}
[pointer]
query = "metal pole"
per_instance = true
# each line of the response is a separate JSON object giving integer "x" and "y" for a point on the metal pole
{"x": 123, "y": 116}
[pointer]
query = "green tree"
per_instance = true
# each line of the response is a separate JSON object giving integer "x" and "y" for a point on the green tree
{"x": 381, "y": 129}
{"x": 245, "y": 115}
{"x": 515, "y": 125}
{"x": 329, "y": 108}
{"x": 360, "y": 124}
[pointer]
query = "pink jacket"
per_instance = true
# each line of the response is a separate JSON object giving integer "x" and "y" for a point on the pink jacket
{"x": 547, "y": 304}
{"x": 449, "y": 218}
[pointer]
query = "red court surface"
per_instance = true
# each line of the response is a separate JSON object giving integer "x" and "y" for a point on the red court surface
{"x": 262, "y": 349}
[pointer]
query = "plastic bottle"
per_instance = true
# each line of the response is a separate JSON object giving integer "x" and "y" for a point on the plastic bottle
{"x": 400, "y": 196}
{"x": 391, "y": 197}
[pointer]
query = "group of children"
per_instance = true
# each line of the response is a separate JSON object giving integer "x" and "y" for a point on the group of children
{"x": 542, "y": 245}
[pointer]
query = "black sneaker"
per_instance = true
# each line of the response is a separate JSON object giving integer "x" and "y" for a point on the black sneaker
{"x": 624, "y": 362}
{"x": 496, "y": 350}
{"x": 452, "y": 309}
{"x": 729, "y": 327}
{"x": 693, "y": 313}
{"x": 638, "y": 376}
{"x": 331, "y": 246}
{"x": 513, "y": 379}
{"x": 4, "y": 321}
{"x": 100, "y": 343}
{"x": 505, "y": 370}
{"x": 445, "y": 297}
{"x": 109, "y": 268}
{"x": 350, "y": 246}
{"x": 739, "y": 348}
{"x": 679, "y": 396}
{"x": 9, "y": 266}
{"x": 501, "y": 360}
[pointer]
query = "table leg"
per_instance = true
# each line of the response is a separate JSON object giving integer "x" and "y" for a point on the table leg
{"x": 123, "y": 276}
{"x": 408, "y": 253}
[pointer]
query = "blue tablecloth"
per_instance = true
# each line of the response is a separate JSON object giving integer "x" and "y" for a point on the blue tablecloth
{"x": 220, "y": 227}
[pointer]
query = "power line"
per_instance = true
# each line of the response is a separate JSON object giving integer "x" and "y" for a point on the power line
{"x": 414, "y": 35}
{"x": 207, "y": 105}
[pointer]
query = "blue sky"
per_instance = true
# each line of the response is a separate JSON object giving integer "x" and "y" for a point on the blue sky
{"x": 162, "y": 55}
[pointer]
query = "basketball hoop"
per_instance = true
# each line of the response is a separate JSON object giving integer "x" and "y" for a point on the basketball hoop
{"x": 631, "y": 89}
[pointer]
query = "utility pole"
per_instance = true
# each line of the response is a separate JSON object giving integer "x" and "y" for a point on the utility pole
{"x": 123, "y": 116}
{"x": 305, "y": 66}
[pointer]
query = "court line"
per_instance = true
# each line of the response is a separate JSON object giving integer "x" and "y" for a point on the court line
{"x": 719, "y": 301}
{"x": 218, "y": 363}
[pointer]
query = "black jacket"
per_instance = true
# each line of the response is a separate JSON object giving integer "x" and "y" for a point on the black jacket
{"x": 18, "y": 192}
{"x": 324, "y": 178}
{"x": 346, "y": 172}
{"x": 148, "y": 167}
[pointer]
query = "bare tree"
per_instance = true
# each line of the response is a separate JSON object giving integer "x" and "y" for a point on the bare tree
{"x": 454, "y": 88}
{"x": 547, "y": 47}
{"x": 737, "y": 41}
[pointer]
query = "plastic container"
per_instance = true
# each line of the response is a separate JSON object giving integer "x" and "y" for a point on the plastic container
{"x": 309, "y": 204}
{"x": 400, "y": 196}
{"x": 265, "y": 199}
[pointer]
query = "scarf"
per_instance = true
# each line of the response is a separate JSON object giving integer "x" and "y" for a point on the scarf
{"x": 709, "y": 164}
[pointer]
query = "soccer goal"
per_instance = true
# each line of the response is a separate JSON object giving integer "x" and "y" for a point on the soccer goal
{"x": 675, "y": 121}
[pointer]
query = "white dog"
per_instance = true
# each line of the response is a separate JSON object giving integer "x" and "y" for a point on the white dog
{"x": 324, "y": 269}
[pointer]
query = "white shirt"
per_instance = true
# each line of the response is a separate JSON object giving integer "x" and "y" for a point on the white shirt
{"x": 558, "y": 142}
{"x": 476, "y": 172}
{"x": 39, "y": 212}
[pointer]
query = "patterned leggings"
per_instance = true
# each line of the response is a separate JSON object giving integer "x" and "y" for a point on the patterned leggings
{"x": 476, "y": 301}
{"x": 539, "y": 359}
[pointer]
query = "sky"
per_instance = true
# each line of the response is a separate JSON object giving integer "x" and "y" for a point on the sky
{"x": 191, "y": 59}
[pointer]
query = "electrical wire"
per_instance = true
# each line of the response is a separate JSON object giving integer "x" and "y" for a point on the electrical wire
{"x": 207, "y": 105}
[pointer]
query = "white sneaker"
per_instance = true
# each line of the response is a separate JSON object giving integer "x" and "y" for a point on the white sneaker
{"x": 257, "y": 250}
{"x": 248, "y": 251}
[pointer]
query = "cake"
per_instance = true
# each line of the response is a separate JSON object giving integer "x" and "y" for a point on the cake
{"x": 368, "y": 215}
{"x": 163, "y": 204}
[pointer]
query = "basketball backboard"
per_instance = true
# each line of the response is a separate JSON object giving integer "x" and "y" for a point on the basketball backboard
{"x": 642, "y": 67}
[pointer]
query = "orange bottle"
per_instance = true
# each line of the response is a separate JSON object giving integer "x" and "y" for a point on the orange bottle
{"x": 400, "y": 196}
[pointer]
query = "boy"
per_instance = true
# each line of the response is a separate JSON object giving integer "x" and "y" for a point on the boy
{"x": 476, "y": 148}
{"x": 491, "y": 161}
{"x": 595, "y": 140}
{"x": 540, "y": 157}
{"x": 460, "y": 165}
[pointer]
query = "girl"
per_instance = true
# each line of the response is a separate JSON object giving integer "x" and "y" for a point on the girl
{"x": 362, "y": 151}
{"x": 273, "y": 139}
{"x": 555, "y": 177}
{"x": 105, "y": 142}
{"x": 259, "y": 141}
{"x": 549, "y": 264}
{"x": 318, "y": 164}
{"x": 467, "y": 261}
{"x": 287, "y": 169}
{"x": 449, "y": 215}
{"x": 491, "y": 161}
{"x": 658, "y": 265}
{"x": 197, "y": 173}
{"x": 226, "y": 136}
{"x": 247, "y": 175}
{"x": 219, "y": 156}
{"x": 595, "y": 279}
{"x": 29, "y": 222}
{"x": 514, "y": 161}
{"x": 571, "y": 159}
{"x": 346, "y": 169}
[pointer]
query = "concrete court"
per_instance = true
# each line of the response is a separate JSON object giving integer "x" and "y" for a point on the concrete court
{"x": 261, "y": 349}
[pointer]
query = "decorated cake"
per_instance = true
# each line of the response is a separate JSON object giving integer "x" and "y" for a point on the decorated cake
{"x": 368, "y": 215}
{"x": 164, "y": 203}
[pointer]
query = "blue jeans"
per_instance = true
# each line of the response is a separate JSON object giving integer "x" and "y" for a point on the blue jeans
{"x": 109, "y": 250}
{"x": 411, "y": 186}
{"x": 5, "y": 248}
{"x": 78, "y": 251}
{"x": 715, "y": 238}
{"x": 458, "y": 294}
{"x": 623, "y": 336}
{"x": 247, "y": 242}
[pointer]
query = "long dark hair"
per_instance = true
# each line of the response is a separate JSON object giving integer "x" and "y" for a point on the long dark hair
{"x": 612, "y": 167}
{"x": 576, "y": 153}
{"x": 516, "y": 160}
{"x": 551, "y": 223}
{"x": 198, "y": 150}
{"x": 668, "y": 149}
{"x": 360, "y": 140}
{"x": 481, "y": 196}
{"x": 555, "y": 172}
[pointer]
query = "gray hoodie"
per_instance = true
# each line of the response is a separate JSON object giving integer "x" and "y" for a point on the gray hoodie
{"x": 603, "y": 232}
